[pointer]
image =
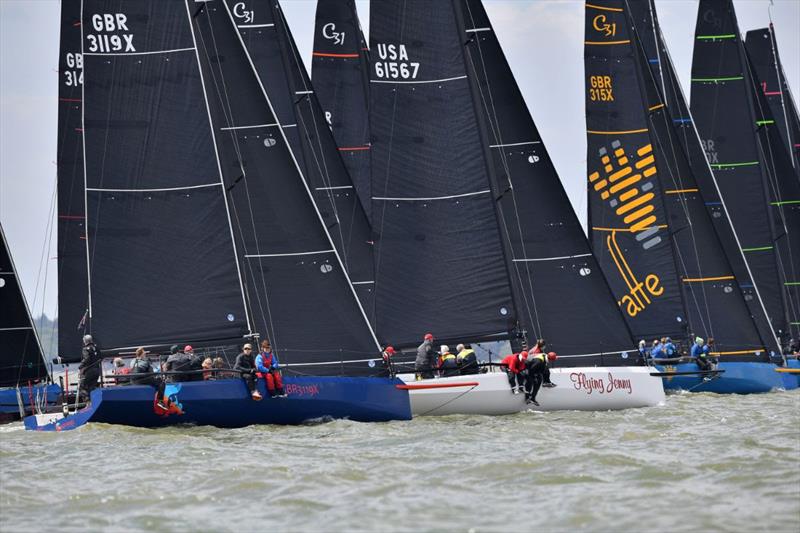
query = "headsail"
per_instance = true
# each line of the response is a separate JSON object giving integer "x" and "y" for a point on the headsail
{"x": 752, "y": 168}
{"x": 647, "y": 213}
{"x": 645, "y": 19}
{"x": 340, "y": 70}
{"x": 440, "y": 261}
{"x": 269, "y": 42}
{"x": 21, "y": 355}
{"x": 551, "y": 260}
{"x": 73, "y": 292}
{"x": 299, "y": 294}
{"x": 762, "y": 47}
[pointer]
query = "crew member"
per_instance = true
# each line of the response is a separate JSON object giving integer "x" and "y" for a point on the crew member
{"x": 388, "y": 364}
{"x": 246, "y": 367}
{"x": 700, "y": 355}
{"x": 467, "y": 360}
{"x": 267, "y": 367}
{"x": 539, "y": 348}
{"x": 538, "y": 375}
{"x": 89, "y": 368}
{"x": 426, "y": 358}
{"x": 644, "y": 355}
{"x": 669, "y": 349}
{"x": 657, "y": 352}
{"x": 141, "y": 369}
{"x": 514, "y": 365}
{"x": 448, "y": 366}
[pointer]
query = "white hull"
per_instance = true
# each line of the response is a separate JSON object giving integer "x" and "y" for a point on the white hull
{"x": 581, "y": 389}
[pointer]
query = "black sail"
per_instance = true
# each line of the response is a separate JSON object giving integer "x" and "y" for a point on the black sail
{"x": 270, "y": 44}
{"x": 298, "y": 292}
{"x": 558, "y": 280}
{"x": 645, "y": 20}
{"x": 21, "y": 356}
{"x": 73, "y": 293}
{"x": 340, "y": 70}
{"x": 762, "y": 47}
{"x": 440, "y": 259}
{"x": 162, "y": 260}
{"x": 713, "y": 302}
{"x": 629, "y": 223}
{"x": 753, "y": 171}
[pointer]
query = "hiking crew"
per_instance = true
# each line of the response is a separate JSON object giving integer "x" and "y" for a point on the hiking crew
{"x": 515, "y": 368}
{"x": 538, "y": 375}
{"x": 466, "y": 359}
{"x": 447, "y": 362}
{"x": 267, "y": 367}
{"x": 246, "y": 367}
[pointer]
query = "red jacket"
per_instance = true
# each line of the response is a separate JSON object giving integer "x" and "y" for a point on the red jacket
{"x": 513, "y": 363}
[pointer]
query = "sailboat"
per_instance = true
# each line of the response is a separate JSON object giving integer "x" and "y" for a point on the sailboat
{"x": 476, "y": 238}
{"x": 24, "y": 374}
{"x": 200, "y": 226}
{"x": 651, "y": 231}
{"x": 340, "y": 70}
{"x": 753, "y": 168}
{"x": 762, "y": 48}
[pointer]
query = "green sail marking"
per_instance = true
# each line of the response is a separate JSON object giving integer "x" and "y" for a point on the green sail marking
{"x": 786, "y": 202}
{"x": 757, "y": 249}
{"x": 715, "y": 37}
{"x": 792, "y": 283}
{"x": 720, "y": 166}
{"x": 714, "y": 80}
{"x": 763, "y": 122}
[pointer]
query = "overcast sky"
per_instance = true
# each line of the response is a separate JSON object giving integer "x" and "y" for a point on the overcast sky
{"x": 542, "y": 39}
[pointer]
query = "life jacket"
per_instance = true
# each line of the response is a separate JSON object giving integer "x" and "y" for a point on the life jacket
{"x": 266, "y": 362}
{"x": 446, "y": 359}
{"x": 539, "y": 356}
{"x": 465, "y": 353}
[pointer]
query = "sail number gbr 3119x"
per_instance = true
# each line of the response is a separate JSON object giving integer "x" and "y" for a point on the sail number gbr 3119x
{"x": 393, "y": 62}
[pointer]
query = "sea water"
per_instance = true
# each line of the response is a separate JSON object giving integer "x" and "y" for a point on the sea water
{"x": 699, "y": 462}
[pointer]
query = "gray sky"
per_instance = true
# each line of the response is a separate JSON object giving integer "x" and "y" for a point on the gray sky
{"x": 542, "y": 39}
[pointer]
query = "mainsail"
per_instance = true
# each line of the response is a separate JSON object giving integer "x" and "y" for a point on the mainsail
{"x": 648, "y": 218}
{"x": 21, "y": 355}
{"x": 645, "y": 20}
{"x": 73, "y": 293}
{"x": 753, "y": 169}
{"x": 269, "y": 42}
{"x": 340, "y": 70}
{"x": 762, "y": 47}
{"x": 477, "y": 236}
{"x": 298, "y": 292}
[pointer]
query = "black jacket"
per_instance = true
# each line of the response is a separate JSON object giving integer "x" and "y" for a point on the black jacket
{"x": 426, "y": 356}
{"x": 245, "y": 363}
{"x": 90, "y": 360}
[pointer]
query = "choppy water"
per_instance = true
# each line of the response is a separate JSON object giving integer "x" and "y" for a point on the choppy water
{"x": 702, "y": 461}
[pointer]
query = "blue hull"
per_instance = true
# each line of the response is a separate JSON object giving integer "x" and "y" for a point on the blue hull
{"x": 8, "y": 397}
{"x": 227, "y": 403}
{"x": 792, "y": 381}
{"x": 738, "y": 378}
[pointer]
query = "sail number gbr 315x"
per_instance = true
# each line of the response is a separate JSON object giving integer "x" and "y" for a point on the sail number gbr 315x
{"x": 393, "y": 62}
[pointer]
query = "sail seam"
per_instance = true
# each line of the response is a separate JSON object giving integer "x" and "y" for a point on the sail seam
{"x": 174, "y": 50}
{"x": 97, "y": 189}
{"x": 505, "y": 145}
{"x": 551, "y": 258}
{"x": 420, "y": 81}
{"x": 473, "y": 30}
{"x": 248, "y": 127}
{"x": 333, "y": 188}
{"x": 271, "y": 25}
{"x": 290, "y": 254}
{"x": 16, "y": 329}
{"x": 363, "y": 282}
{"x": 430, "y": 198}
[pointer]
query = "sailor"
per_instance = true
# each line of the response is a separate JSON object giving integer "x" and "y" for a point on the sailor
{"x": 120, "y": 370}
{"x": 141, "y": 365}
{"x": 700, "y": 354}
{"x": 208, "y": 365}
{"x": 644, "y": 355}
{"x": 194, "y": 364}
{"x": 540, "y": 345}
{"x": 669, "y": 348}
{"x": 466, "y": 359}
{"x": 514, "y": 366}
{"x": 657, "y": 352}
{"x": 388, "y": 365}
{"x": 426, "y": 357}
{"x": 176, "y": 362}
{"x": 89, "y": 369}
{"x": 246, "y": 367}
{"x": 538, "y": 375}
{"x": 268, "y": 368}
{"x": 448, "y": 366}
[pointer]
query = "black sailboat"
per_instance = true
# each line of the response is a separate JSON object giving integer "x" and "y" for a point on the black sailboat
{"x": 269, "y": 42}
{"x": 202, "y": 228}
{"x": 753, "y": 169}
{"x": 762, "y": 47}
{"x": 340, "y": 70}
{"x": 651, "y": 230}
{"x": 23, "y": 371}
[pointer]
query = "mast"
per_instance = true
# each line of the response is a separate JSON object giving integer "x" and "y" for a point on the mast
{"x": 340, "y": 70}
{"x": 743, "y": 149}
{"x": 300, "y": 293}
{"x": 73, "y": 290}
{"x": 21, "y": 354}
{"x": 655, "y": 48}
{"x": 622, "y": 96}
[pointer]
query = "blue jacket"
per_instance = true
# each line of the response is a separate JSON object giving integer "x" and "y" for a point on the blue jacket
{"x": 260, "y": 362}
{"x": 657, "y": 352}
{"x": 698, "y": 351}
{"x": 669, "y": 349}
